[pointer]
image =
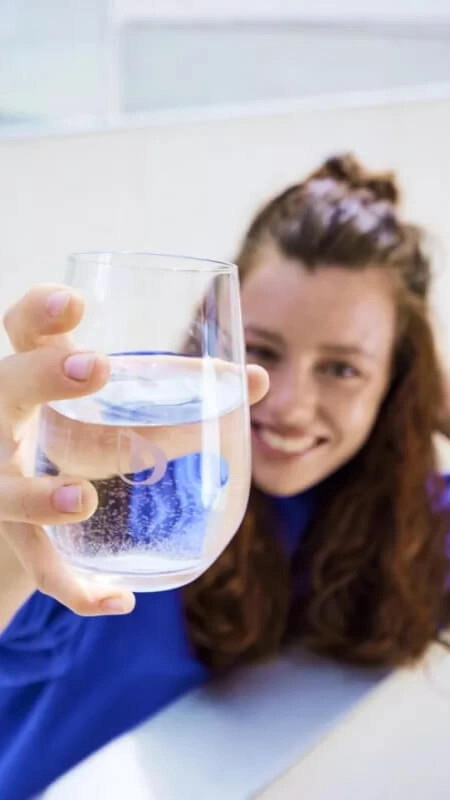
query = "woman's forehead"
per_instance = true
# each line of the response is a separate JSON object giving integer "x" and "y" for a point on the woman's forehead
{"x": 334, "y": 302}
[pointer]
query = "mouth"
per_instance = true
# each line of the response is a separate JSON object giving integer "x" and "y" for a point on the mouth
{"x": 280, "y": 445}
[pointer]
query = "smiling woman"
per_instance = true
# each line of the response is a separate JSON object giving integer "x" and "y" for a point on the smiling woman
{"x": 344, "y": 543}
{"x": 334, "y": 297}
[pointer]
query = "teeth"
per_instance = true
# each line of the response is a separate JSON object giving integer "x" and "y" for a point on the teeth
{"x": 287, "y": 445}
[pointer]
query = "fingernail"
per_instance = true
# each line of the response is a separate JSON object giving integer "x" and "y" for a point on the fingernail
{"x": 114, "y": 605}
{"x": 57, "y": 303}
{"x": 80, "y": 366}
{"x": 67, "y": 499}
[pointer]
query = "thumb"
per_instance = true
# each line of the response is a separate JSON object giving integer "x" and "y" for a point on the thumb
{"x": 258, "y": 383}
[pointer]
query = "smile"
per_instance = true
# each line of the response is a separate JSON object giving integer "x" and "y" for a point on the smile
{"x": 286, "y": 445}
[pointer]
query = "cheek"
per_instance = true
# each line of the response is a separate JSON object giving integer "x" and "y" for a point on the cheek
{"x": 355, "y": 416}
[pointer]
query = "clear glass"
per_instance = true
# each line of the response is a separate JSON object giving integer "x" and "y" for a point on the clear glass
{"x": 166, "y": 442}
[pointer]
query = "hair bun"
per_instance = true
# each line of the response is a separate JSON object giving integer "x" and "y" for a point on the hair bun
{"x": 347, "y": 169}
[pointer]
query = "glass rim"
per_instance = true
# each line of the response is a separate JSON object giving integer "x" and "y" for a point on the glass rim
{"x": 186, "y": 263}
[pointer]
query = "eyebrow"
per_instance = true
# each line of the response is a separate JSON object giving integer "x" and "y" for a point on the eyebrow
{"x": 338, "y": 349}
{"x": 275, "y": 338}
{"x": 348, "y": 350}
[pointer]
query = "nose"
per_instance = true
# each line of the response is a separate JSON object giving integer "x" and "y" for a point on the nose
{"x": 292, "y": 399}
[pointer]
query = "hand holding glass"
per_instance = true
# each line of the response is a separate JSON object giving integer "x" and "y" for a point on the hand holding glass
{"x": 166, "y": 441}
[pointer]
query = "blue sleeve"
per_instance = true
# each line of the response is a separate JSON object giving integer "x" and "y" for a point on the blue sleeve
{"x": 444, "y": 504}
{"x": 445, "y": 497}
{"x": 47, "y": 633}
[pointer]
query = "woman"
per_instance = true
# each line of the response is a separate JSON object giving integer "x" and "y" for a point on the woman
{"x": 343, "y": 546}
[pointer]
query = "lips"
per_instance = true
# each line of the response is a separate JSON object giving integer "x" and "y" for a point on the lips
{"x": 285, "y": 444}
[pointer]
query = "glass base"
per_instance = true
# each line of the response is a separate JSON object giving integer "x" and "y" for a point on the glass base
{"x": 141, "y": 581}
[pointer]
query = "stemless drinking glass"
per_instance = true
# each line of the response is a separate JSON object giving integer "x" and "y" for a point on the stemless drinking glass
{"x": 166, "y": 442}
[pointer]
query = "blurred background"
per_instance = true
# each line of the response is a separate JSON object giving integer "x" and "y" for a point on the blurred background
{"x": 100, "y": 58}
{"x": 164, "y": 124}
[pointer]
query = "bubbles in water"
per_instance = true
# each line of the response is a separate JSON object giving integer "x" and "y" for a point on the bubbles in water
{"x": 150, "y": 442}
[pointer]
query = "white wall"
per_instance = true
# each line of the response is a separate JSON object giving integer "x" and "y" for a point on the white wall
{"x": 56, "y": 58}
{"x": 163, "y": 65}
{"x": 412, "y": 10}
{"x": 79, "y": 58}
{"x": 193, "y": 186}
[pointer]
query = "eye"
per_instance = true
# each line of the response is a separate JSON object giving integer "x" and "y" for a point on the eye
{"x": 261, "y": 354}
{"x": 339, "y": 369}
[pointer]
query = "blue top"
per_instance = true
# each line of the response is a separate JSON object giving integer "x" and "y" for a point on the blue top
{"x": 70, "y": 684}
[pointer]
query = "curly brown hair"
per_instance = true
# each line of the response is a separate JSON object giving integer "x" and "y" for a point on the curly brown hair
{"x": 373, "y": 563}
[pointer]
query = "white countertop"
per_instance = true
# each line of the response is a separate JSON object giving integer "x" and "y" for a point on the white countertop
{"x": 301, "y": 727}
{"x": 225, "y": 741}
{"x": 395, "y": 745}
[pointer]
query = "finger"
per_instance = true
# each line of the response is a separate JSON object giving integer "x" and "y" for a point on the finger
{"x": 40, "y": 376}
{"x": 258, "y": 383}
{"x": 46, "y": 500}
{"x": 52, "y": 576}
{"x": 47, "y": 310}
